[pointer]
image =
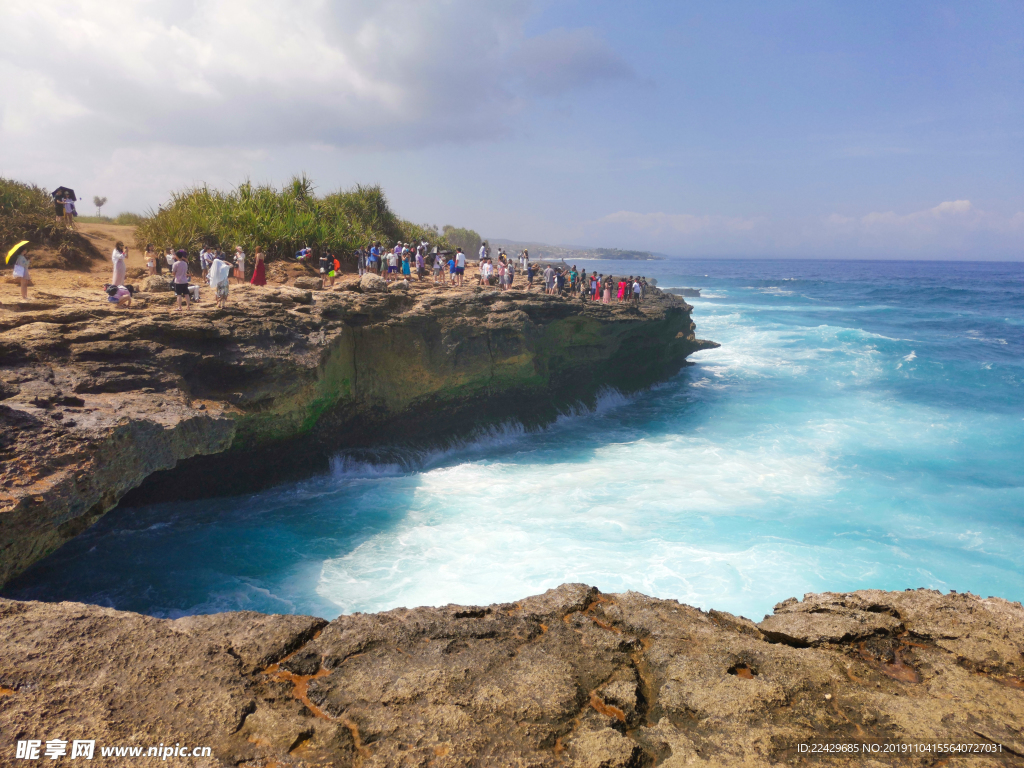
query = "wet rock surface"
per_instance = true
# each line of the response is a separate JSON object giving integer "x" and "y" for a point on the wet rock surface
{"x": 95, "y": 401}
{"x": 569, "y": 678}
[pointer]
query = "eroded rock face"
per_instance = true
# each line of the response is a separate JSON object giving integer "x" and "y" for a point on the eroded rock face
{"x": 572, "y": 677}
{"x": 95, "y": 401}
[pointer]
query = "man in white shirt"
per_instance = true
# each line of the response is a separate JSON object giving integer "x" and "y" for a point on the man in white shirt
{"x": 483, "y": 251}
{"x": 393, "y": 263}
{"x": 460, "y": 265}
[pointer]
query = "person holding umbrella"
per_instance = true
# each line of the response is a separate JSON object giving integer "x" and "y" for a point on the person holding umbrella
{"x": 20, "y": 255}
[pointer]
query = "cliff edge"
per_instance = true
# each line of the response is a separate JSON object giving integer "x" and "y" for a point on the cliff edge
{"x": 96, "y": 402}
{"x": 572, "y": 677}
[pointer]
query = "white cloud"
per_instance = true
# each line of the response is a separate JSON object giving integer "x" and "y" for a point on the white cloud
{"x": 952, "y": 228}
{"x": 943, "y": 212}
{"x": 391, "y": 73}
{"x": 662, "y": 224}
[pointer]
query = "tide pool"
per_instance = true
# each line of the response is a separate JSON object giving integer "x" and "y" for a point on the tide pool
{"x": 862, "y": 426}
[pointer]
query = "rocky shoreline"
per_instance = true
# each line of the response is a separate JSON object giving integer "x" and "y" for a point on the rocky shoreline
{"x": 572, "y": 677}
{"x": 97, "y": 403}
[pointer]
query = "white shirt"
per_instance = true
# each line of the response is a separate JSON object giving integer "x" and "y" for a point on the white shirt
{"x": 460, "y": 260}
{"x": 483, "y": 251}
{"x": 116, "y": 256}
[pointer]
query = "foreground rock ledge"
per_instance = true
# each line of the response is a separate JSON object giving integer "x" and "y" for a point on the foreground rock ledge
{"x": 571, "y": 677}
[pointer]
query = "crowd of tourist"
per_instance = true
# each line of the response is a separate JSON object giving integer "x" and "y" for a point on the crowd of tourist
{"x": 403, "y": 261}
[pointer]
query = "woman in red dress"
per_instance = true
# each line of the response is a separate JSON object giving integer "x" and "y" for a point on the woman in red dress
{"x": 259, "y": 272}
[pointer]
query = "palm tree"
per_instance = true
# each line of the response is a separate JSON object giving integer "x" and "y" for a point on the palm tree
{"x": 99, "y": 202}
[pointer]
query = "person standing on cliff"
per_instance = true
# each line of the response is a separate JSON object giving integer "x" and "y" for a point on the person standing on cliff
{"x": 179, "y": 272}
{"x": 483, "y": 251}
{"x": 549, "y": 279}
{"x": 392, "y": 258}
{"x": 20, "y": 272}
{"x": 421, "y": 264}
{"x": 239, "y": 264}
{"x": 118, "y": 257}
{"x": 220, "y": 274}
{"x": 460, "y": 265}
{"x": 259, "y": 270}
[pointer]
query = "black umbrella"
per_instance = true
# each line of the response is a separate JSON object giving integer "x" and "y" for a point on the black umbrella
{"x": 62, "y": 192}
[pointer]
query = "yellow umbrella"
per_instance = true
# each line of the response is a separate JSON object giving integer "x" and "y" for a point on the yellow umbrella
{"x": 11, "y": 253}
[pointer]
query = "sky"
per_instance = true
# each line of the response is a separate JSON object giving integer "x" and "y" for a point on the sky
{"x": 734, "y": 129}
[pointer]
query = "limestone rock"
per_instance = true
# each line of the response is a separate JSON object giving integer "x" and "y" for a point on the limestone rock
{"x": 309, "y": 283}
{"x": 372, "y": 284}
{"x": 298, "y": 294}
{"x": 828, "y": 619}
{"x": 157, "y": 284}
{"x": 572, "y": 677}
{"x": 400, "y": 285}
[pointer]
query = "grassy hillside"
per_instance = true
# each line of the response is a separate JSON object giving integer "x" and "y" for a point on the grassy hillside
{"x": 26, "y": 213}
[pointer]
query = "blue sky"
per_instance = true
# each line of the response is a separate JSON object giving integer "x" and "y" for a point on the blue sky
{"x": 869, "y": 130}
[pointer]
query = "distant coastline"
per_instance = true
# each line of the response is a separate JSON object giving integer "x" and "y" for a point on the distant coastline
{"x": 569, "y": 252}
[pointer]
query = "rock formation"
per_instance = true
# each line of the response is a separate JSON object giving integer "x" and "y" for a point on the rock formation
{"x": 568, "y": 678}
{"x": 95, "y": 400}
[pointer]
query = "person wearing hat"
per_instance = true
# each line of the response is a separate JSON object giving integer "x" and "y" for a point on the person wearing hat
{"x": 20, "y": 255}
{"x": 239, "y": 264}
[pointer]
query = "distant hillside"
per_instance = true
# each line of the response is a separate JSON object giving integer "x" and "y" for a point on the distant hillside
{"x": 570, "y": 252}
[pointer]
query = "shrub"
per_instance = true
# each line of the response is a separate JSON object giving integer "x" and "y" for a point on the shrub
{"x": 129, "y": 219}
{"x": 466, "y": 239}
{"x": 26, "y": 213}
{"x": 282, "y": 221}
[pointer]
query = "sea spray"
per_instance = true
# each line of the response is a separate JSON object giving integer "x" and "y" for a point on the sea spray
{"x": 861, "y": 431}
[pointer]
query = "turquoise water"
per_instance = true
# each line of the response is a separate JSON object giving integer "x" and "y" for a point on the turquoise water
{"x": 861, "y": 426}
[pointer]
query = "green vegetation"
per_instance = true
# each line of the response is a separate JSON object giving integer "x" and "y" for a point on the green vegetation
{"x": 126, "y": 219}
{"x": 616, "y": 254}
{"x": 26, "y": 213}
{"x": 466, "y": 239}
{"x": 282, "y": 221}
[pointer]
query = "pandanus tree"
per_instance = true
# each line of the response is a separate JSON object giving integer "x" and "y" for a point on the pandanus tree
{"x": 281, "y": 221}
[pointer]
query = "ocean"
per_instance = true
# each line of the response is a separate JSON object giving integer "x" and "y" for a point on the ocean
{"x": 861, "y": 426}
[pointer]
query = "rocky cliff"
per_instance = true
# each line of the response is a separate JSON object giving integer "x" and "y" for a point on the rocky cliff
{"x": 569, "y": 678}
{"x": 96, "y": 402}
